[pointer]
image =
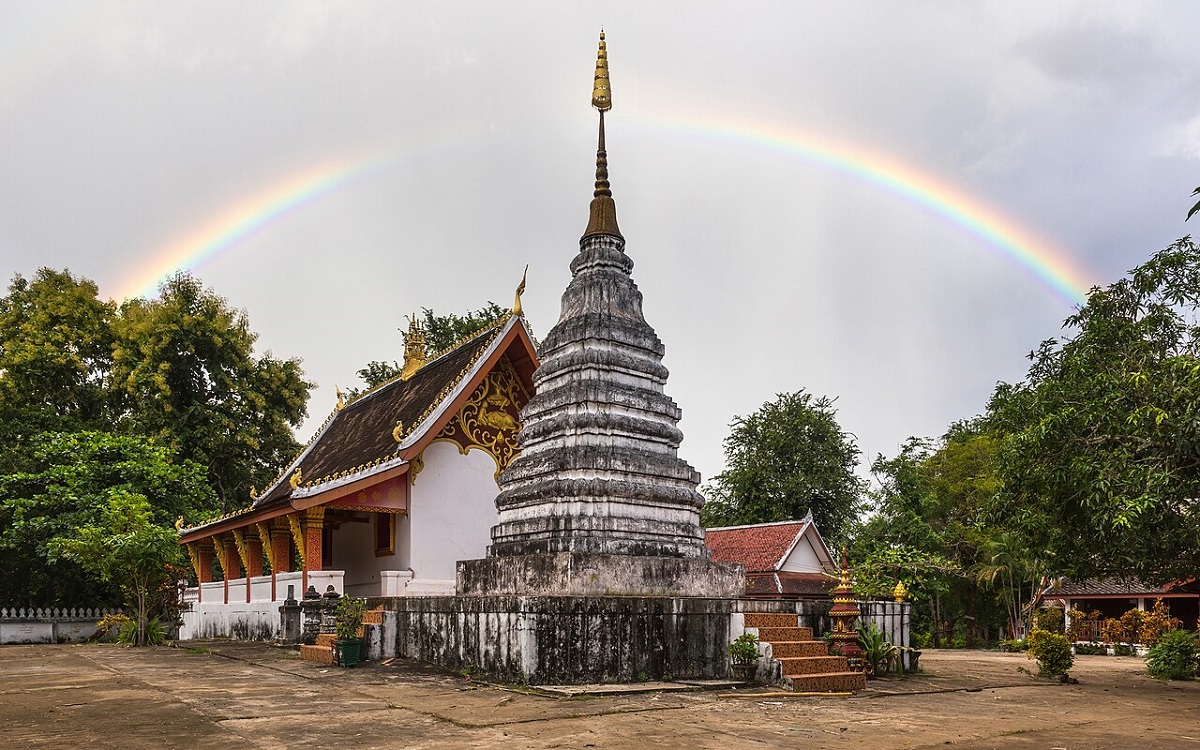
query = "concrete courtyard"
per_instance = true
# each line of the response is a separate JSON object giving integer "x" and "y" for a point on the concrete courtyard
{"x": 226, "y": 694}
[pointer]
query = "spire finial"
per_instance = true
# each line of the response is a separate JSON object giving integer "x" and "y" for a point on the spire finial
{"x": 601, "y": 93}
{"x": 517, "y": 311}
{"x": 414, "y": 349}
{"x": 603, "y": 213}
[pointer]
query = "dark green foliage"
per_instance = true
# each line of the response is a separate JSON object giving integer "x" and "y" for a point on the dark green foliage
{"x": 1099, "y": 463}
{"x": 1174, "y": 657}
{"x": 68, "y": 483}
{"x": 56, "y": 343}
{"x": 349, "y": 617}
{"x": 187, "y": 375}
{"x": 1052, "y": 651}
{"x": 784, "y": 460}
{"x": 126, "y": 549}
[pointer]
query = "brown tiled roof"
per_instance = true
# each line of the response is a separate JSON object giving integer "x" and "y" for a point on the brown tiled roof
{"x": 1115, "y": 587}
{"x": 362, "y": 431}
{"x": 760, "y": 547}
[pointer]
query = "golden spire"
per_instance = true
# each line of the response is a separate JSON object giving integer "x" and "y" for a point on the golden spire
{"x": 517, "y": 311}
{"x": 341, "y": 399}
{"x": 414, "y": 349}
{"x": 602, "y": 217}
{"x": 601, "y": 93}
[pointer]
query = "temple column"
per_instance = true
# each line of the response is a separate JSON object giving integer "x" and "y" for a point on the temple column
{"x": 313, "y": 522}
{"x": 254, "y": 558}
{"x": 229, "y": 561}
{"x": 201, "y": 554}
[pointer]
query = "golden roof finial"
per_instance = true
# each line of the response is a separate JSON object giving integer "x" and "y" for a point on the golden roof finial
{"x": 253, "y": 492}
{"x": 900, "y": 593}
{"x": 520, "y": 290}
{"x": 602, "y": 217}
{"x": 398, "y": 431}
{"x": 601, "y": 93}
{"x": 414, "y": 349}
{"x": 297, "y": 478}
{"x": 341, "y": 398}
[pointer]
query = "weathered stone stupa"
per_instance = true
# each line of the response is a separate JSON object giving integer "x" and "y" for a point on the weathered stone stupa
{"x": 599, "y": 503}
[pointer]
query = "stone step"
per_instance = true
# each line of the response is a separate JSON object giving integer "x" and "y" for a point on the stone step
{"x": 778, "y": 635}
{"x": 771, "y": 620}
{"x": 318, "y": 654}
{"x": 786, "y": 649}
{"x": 830, "y": 682}
{"x": 795, "y": 666}
{"x": 326, "y": 639}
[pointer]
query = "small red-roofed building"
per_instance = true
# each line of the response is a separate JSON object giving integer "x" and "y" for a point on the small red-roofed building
{"x": 783, "y": 560}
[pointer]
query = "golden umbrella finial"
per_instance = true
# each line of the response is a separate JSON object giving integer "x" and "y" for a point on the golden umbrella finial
{"x": 601, "y": 93}
{"x": 520, "y": 290}
{"x": 602, "y": 214}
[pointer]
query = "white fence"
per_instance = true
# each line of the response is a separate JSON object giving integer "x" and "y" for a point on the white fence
{"x": 49, "y": 624}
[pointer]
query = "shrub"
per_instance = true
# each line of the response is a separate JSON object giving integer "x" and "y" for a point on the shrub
{"x": 1052, "y": 651}
{"x": 1017, "y": 644}
{"x": 1049, "y": 619}
{"x": 349, "y": 617}
{"x": 744, "y": 649}
{"x": 1173, "y": 657}
{"x": 878, "y": 651}
{"x": 1157, "y": 623}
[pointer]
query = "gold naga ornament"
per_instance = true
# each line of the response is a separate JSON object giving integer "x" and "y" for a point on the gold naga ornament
{"x": 297, "y": 478}
{"x": 517, "y": 311}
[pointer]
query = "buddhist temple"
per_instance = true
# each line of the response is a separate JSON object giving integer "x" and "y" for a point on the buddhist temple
{"x": 394, "y": 488}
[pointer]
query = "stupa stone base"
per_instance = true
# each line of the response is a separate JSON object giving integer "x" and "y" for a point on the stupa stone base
{"x": 583, "y": 574}
{"x": 553, "y": 640}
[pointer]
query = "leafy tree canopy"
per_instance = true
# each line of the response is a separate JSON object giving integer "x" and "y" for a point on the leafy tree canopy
{"x": 784, "y": 460}
{"x": 1101, "y": 463}
{"x": 71, "y": 480}
{"x": 56, "y": 343}
{"x": 127, "y": 549}
{"x": 186, "y": 374}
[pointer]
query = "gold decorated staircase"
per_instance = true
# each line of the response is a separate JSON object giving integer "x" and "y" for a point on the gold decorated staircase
{"x": 805, "y": 663}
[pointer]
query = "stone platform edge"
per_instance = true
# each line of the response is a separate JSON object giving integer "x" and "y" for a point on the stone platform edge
{"x": 590, "y": 575}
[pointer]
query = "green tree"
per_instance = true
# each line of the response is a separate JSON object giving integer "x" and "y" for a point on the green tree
{"x": 67, "y": 485}
{"x": 55, "y": 356}
{"x": 187, "y": 375}
{"x": 127, "y": 549}
{"x": 784, "y": 460}
{"x": 1101, "y": 460}
{"x": 441, "y": 332}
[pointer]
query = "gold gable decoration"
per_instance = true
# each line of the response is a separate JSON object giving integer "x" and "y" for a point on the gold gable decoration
{"x": 490, "y": 419}
{"x": 297, "y": 534}
{"x": 195, "y": 558}
{"x": 239, "y": 540}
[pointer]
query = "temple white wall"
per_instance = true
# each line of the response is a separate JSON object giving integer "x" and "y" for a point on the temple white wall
{"x": 451, "y": 512}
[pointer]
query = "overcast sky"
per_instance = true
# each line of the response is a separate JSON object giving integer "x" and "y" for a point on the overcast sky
{"x": 828, "y": 196}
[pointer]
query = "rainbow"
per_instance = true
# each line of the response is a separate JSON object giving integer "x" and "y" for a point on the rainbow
{"x": 255, "y": 212}
{"x": 1050, "y": 266}
{"x": 251, "y": 215}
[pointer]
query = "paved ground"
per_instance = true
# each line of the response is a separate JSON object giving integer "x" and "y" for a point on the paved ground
{"x": 240, "y": 695}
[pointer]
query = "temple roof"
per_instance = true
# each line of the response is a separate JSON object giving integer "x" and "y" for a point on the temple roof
{"x": 390, "y": 424}
{"x": 761, "y": 547}
{"x": 1116, "y": 587}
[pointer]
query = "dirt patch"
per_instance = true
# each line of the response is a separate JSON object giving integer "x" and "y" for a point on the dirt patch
{"x": 239, "y": 695}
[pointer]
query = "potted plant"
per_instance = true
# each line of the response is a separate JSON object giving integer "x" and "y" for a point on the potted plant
{"x": 347, "y": 624}
{"x": 743, "y": 656}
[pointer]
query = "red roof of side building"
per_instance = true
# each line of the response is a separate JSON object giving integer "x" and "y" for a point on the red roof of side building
{"x": 761, "y": 547}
